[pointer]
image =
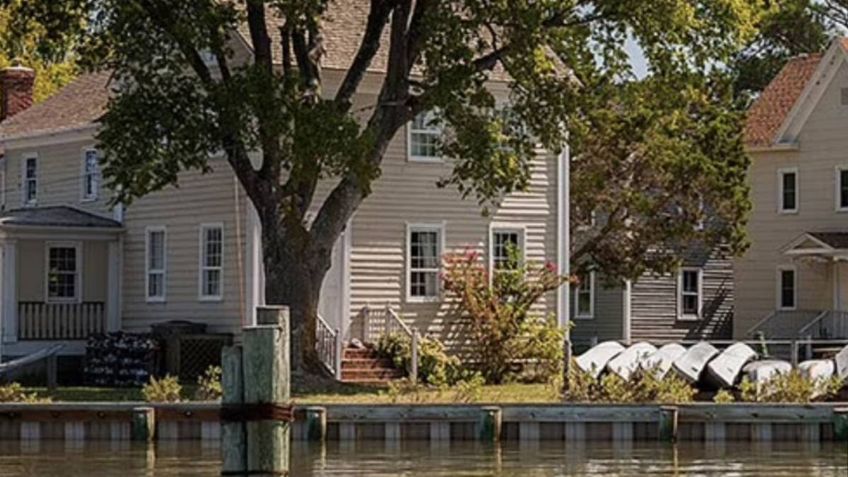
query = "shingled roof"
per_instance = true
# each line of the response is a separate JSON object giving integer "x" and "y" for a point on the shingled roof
{"x": 770, "y": 110}
{"x": 59, "y": 216}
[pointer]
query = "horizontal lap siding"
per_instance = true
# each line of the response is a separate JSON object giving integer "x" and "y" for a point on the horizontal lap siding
{"x": 607, "y": 322}
{"x": 823, "y": 143}
{"x": 199, "y": 199}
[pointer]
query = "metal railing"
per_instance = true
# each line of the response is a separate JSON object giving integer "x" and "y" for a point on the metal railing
{"x": 827, "y": 326}
{"x": 785, "y": 324}
{"x": 329, "y": 346}
{"x": 60, "y": 321}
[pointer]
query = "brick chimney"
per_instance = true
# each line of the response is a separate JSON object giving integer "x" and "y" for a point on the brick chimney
{"x": 16, "y": 86}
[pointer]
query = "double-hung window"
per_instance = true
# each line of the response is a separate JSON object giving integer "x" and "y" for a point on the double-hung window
{"x": 423, "y": 138}
{"x": 787, "y": 197}
{"x": 424, "y": 261}
{"x": 63, "y": 266}
{"x": 787, "y": 287}
{"x": 584, "y": 297}
{"x": 842, "y": 188}
{"x": 90, "y": 174}
{"x": 156, "y": 264}
{"x": 30, "y": 180}
{"x": 211, "y": 261}
{"x": 690, "y": 292}
{"x": 503, "y": 242}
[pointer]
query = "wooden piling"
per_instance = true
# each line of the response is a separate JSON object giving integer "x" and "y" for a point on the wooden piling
{"x": 840, "y": 424}
{"x": 265, "y": 366}
{"x": 668, "y": 423}
{"x": 490, "y": 424}
{"x": 316, "y": 423}
{"x": 143, "y": 427}
{"x": 233, "y": 448}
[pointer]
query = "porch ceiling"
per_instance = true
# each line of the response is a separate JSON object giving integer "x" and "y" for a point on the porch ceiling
{"x": 59, "y": 216}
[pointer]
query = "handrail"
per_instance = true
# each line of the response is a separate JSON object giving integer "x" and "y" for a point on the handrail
{"x": 785, "y": 323}
{"x": 327, "y": 346}
{"x": 817, "y": 319}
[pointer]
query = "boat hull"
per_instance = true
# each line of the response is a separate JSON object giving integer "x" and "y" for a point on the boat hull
{"x": 595, "y": 359}
{"x": 629, "y": 360}
{"x": 692, "y": 363}
{"x": 725, "y": 369}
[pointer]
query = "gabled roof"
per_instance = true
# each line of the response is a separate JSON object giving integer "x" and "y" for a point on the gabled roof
{"x": 58, "y": 216}
{"x": 832, "y": 239}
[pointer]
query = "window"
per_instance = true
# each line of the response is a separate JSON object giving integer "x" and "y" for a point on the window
{"x": 2, "y": 186}
{"x": 156, "y": 263}
{"x": 424, "y": 262}
{"x": 90, "y": 174}
{"x": 787, "y": 286}
{"x": 423, "y": 138}
{"x": 211, "y": 261}
{"x": 689, "y": 299}
{"x": 502, "y": 240}
{"x": 62, "y": 272}
{"x": 788, "y": 190}
{"x": 30, "y": 180}
{"x": 584, "y": 297}
{"x": 842, "y": 188}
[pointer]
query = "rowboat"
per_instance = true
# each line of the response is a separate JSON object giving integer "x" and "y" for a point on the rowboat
{"x": 629, "y": 360}
{"x": 817, "y": 369}
{"x": 841, "y": 361}
{"x": 724, "y": 370}
{"x": 692, "y": 363}
{"x": 595, "y": 359}
{"x": 761, "y": 372}
{"x": 661, "y": 361}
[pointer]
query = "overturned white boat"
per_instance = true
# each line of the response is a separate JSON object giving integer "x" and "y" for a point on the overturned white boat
{"x": 819, "y": 371}
{"x": 660, "y": 362}
{"x": 628, "y": 361}
{"x": 692, "y": 363}
{"x": 841, "y": 362}
{"x": 595, "y": 359}
{"x": 724, "y": 370}
{"x": 761, "y": 372}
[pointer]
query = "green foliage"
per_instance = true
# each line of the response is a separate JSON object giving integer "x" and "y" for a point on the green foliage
{"x": 724, "y": 397}
{"x": 166, "y": 389}
{"x": 465, "y": 391}
{"x": 791, "y": 387}
{"x": 502, "y": 328}
{"x": 209, "y": 386}
{"x": 644, "y": 386}
{"x": 470, "y": 390}
{"x": 435, "y": 366}
{"x": 14, "y": 392}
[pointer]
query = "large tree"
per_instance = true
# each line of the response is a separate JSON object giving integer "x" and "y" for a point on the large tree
{"x": 563, "y": 61}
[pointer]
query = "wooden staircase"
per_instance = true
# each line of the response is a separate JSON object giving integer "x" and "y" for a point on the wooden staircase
{"x": 365, "y": 366}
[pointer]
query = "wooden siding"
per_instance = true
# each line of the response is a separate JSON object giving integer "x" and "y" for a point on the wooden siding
{"x": 823, "y": 143}
{"x": 32, "y": 269}
{"x": 606, "y": 323}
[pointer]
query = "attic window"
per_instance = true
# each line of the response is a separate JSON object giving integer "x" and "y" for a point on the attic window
{"x": 844, "y": 96}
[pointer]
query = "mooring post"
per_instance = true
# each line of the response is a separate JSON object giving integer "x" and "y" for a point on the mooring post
{"x": 840, "y": 424}
{"x": 489, "y": 425}
{"x": 668, "y": 423}
{"x": 316, "y": 423}
{"x": 267, "y": 389}
{"x": 143, "y": 426}
{"x": 233, "y": 448}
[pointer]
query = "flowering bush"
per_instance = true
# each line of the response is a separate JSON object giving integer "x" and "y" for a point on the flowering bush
{"x": 503, "y": 327}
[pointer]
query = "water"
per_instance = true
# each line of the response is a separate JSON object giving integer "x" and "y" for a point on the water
{"x": 375, "y": 459}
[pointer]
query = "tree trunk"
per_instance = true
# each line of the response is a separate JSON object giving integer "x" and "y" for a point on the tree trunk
{"x": 294, "y": 273}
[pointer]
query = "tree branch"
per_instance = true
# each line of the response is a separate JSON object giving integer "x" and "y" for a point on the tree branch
{"x": 377, "y": 18}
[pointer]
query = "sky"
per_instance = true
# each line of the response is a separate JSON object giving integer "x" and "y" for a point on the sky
{"x": 637, "y": 59}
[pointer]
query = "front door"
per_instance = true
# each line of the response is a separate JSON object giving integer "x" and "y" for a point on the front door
{"x": 333, "y": 305}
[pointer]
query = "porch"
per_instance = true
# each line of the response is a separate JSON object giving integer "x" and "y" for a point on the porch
{"x": 59, "y": 278}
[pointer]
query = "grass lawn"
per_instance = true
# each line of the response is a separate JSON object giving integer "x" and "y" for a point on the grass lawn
{"x": 336, "y": 393}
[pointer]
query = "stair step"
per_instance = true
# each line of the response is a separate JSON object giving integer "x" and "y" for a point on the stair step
{"x": 359, "y": 353}
{"x": 367, "y": 363}
{"x": 371, "y": 374}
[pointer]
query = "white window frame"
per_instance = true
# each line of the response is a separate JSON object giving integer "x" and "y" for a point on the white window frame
{"x": 578, "y": 315}
{"x": 84, "y": 173}
{"x": 203, "y": 268}
{"x": 779, "y": 287}
{"x": 148, "y": 271}
{"x": 424, "y": 227}
{"x": 495, "y": 228}
{"x": 681, "y": 315}
{"x": 434, "y": 130}
{"x": 77, "y": 246}
{"x": 25, "y": 180}
{"x": 780, "y": 173}
{"x": 837, "y": 196}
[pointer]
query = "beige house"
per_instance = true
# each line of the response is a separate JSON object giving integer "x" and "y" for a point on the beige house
{"x": 793, "y": 282}
{"x": 73, "y": 263}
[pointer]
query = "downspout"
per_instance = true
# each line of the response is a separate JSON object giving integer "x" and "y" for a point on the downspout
{"x": 240, "y": 251}
{"x": 563, "y": 238}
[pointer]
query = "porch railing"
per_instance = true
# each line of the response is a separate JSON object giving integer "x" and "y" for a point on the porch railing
{"x": 785, "y": 324}
{"x": 830, "y": 325}
{"x": 60, "y": 321}
{"x": 328, "y": 345}
{"x": 372, "y": 323}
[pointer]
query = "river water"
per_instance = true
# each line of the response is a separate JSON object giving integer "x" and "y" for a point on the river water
{"x": 375, "y": 459}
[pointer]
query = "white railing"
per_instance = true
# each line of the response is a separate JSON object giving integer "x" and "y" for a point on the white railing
{"x": 60, "y": 321}
{"x": 328, "y": 345}
{"x": 827, "y": 326}
{"x": 372, "y": 323}
{"x": 785, "y": 324}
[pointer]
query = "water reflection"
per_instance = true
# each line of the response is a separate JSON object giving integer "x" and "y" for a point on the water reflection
{"x": 458, "y": 459}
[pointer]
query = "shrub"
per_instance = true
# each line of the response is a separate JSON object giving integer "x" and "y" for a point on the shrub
{"x": 498, "y": 308}
{"x": 542, "y": 351}
{"x": 469, "y": 390}
{"x": 724, "y": 397}
{"x": 209, "y": 386}
{"x": 791, "y": 387}
{"x": 435, "y": 366}
{"x": 167, "y": 389}
{"x": 14, "y": 392}
{"x": 644, "y": 386}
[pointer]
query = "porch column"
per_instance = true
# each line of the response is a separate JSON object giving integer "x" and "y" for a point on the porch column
{"x": 9, "y": 292}
{"x": 113, "y": 287}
